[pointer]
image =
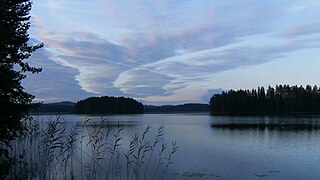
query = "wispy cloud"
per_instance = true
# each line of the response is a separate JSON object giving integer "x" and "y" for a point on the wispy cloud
{"x": 302, "y": 30}
{"x": 163, "y": 50}
{"x": 55, "y": 82}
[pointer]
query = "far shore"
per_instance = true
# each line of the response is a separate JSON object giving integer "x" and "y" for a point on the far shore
{"x": 268, "y": 114}
{"x": 191, "y": 112}
{"x": 170, "y": 112}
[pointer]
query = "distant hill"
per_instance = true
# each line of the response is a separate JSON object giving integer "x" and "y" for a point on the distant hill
{"x": 190, "y": 107}
{"x": 65, "y": 107}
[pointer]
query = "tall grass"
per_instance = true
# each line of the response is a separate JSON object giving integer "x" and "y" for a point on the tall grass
{"x": 88, "y": 150}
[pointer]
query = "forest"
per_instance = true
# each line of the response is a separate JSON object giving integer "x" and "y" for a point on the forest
{"x": 283, "y": 99}
{"x": 108, "y": 105}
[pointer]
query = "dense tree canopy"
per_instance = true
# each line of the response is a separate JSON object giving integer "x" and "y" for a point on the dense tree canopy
{"x": 282, "y": 99}
{"x": 14, "y": 50}
{"x": 108, "y": 105}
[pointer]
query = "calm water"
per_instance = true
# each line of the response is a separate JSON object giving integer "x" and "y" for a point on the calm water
{"x": 206, "y": 152}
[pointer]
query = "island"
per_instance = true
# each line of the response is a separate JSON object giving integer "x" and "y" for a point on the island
{"x": 108, "y": 105}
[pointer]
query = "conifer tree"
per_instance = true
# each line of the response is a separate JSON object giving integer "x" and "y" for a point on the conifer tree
{"x": 14, "y": 51}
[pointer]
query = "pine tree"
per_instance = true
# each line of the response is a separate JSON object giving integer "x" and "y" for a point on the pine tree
{"x": 14, "y": 51}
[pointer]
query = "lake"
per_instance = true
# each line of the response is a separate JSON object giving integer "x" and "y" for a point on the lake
{"x": 228, "y": 152}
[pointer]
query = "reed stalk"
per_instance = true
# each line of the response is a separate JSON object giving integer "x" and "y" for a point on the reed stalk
{"x": 49, "y": 150}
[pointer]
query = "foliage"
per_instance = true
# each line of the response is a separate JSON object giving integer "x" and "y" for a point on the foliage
{"x": 14, "y": 51}
{"x": 279, "y": 100}
{"x": 108, "y": 105}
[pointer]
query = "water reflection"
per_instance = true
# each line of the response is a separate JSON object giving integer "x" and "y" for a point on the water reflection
{"x": 111, "y": 123}
{"x": 269, "y": 151}
{"x": 227, "y": 147}
{"x": 280, "y": 123}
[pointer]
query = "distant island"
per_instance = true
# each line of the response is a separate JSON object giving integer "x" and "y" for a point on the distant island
{"x": 108, "y": 105}
{"x": 283, "y": 99}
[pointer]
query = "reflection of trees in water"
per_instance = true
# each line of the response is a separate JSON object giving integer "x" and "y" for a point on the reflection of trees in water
{"x": 267, "y": 122}
{"x": 262, "y": 127}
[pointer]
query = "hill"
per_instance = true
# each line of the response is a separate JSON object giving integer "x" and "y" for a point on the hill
{"x": 64, "y": 107}
{"x": 182, "y": 108}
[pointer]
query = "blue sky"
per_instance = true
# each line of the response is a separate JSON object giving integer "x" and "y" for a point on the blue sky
{"x": 171, "y": 52}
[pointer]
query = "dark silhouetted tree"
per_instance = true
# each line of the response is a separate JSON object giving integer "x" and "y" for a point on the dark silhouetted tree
{"x": 14, "y": 50}
{"x": 280, "y": 100}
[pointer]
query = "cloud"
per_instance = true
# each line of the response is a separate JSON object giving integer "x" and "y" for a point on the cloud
{"x": 195, "y": 68}
{"x": 36, "y": 22}
{"x": 206, "y": 96}
{"x": 54, "y": 5}
{"x": 302, "y": 30}
{"x": 54, "y": 83}
{"x": 302, "y": 6}
{"x": 167, "y": 51}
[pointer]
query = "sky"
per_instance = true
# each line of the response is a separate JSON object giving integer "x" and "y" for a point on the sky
{"x": 171, "y": 52}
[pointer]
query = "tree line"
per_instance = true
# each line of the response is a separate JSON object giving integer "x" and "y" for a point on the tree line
{"x": 189, "y": 107}
{"x": 283, "y": 99}
{"x": 59, "y": 107}
{"x": 108, "y": 105}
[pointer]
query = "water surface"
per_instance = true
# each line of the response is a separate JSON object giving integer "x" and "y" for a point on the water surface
{"x": 208, "y": 152}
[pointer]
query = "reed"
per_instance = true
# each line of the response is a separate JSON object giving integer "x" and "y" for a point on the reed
{"x": 88, "y": 150}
